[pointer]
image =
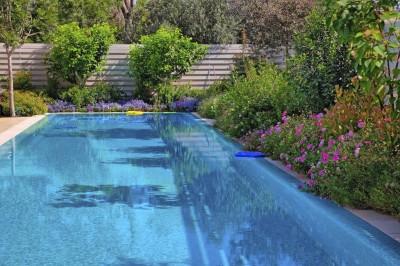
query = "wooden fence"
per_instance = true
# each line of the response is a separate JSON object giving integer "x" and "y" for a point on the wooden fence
{"x": 215, "y": 66}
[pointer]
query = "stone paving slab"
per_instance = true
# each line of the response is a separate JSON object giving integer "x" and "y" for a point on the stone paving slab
{"x": 12, "y": 126}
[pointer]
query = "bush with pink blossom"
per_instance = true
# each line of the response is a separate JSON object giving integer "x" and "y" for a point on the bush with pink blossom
{"x": 350, "y": 155}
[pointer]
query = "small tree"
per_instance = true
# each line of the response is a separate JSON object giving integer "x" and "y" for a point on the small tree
{"x": 271, "y": 24}
{"x": 15, "y": 28}
{"x": 371, "y": 29}
{"x": 205, "y": 21}
{"x": 319, "y": 62}
{"x": 162, "y": 58}
{"x": 78, "y": 53}
{"x": 86, "y": 13}
{"x": 128, "y": 11}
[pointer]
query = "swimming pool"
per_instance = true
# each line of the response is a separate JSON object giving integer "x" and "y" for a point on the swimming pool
{"x": 110, "y": 189}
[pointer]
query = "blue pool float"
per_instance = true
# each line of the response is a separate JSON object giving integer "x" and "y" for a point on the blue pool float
{"x": 250, "y": 154}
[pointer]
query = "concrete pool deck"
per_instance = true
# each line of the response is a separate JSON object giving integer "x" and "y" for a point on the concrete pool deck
{"x": 12, "y": 126}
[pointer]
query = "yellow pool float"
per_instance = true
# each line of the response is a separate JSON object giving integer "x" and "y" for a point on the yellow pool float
{"x": 134, "y": 113}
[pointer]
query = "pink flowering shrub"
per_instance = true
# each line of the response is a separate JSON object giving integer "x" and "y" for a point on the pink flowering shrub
{"x": 349, "y": 156}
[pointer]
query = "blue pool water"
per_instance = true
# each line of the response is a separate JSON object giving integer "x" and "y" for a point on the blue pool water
{"x": 108, "y": 189}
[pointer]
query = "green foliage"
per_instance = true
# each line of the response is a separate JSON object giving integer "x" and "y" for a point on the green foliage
{"x": 45, "y": 14}
{"x": 78, "y": 96}
{"x": 162, "y": 58}
{"x": 26, "y": 104}
{"x": 206, "y": 21}
{"x": 353, "y": 107}
{"x": 106, "y": 93}
{"x": 272, "y": 24}
{"x": 84, "y": 96}
{"x": 370, "y": 27}
{"x": 53, "y": 88}
{"x": 256, "y": 101}
{"x": 319, "y": 63}
{"x": 351, "y": 155}
{"x": 219, "y": 87}
{"x": 86, "y": 13}
{"x": 15, "y": 22}
{"x": 207, "y": 107}
{"x": 22, "y": 80}
{"x": 78, "y": 53}
{"x": 168, "y": 93}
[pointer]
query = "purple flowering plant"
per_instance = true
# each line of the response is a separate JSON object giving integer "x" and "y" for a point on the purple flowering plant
{"x": 61, "y": 106}
{"x": 186, "y": 104}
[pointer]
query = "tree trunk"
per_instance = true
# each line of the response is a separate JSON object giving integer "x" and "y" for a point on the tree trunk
{"x": 128, "y": 28}
{"x": 10, "y": 80}
{"x": 126, "y": 9}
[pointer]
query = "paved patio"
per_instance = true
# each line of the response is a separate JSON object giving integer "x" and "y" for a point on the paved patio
{"x": 12, "y": 126}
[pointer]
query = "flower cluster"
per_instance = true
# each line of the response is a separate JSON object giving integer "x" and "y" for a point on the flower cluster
{"x": 137, "y": 105}
{"x": 186, "y": 104}
{"x": 61, "y": 106}
{"x": 133, "y": 105}
{"x": 306, "y": 145}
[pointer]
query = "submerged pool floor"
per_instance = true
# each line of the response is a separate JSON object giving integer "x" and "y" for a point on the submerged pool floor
{"x": 102, "y": 189}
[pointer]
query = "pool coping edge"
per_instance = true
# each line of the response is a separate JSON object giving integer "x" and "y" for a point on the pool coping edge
{"x": 19, "y": 127}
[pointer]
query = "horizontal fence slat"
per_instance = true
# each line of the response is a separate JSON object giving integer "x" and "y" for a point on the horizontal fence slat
{"x": 217, "y": 64}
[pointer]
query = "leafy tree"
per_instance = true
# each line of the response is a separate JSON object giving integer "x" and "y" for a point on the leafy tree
{"x": 206, "y": 21}
{"x": 371, "y": 30}
{"x": 15, "y": 28}
{"x": 211, "y": 21}
{"x": 162, "y": 58}
{"x": 319, "y": 62}
{"x": 78, "y": 53}
{"x": 86, "y": 13}
{"x": 128, "y": 12}
{"x": 271, "y": 24}
{"x": 45, "y": 15}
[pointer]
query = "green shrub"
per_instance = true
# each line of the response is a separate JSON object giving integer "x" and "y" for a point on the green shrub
{"x": 22, "y": 80}
{"x": 26, "y": 104}
{"x": 3, "y": 81}
{"x": 162, "y": 58}
{"x": 207, "y": 107}
{"x": 85, "y": 96}
{"x": 219, "y": 87}
{"x": 256, "y": 101}
{"x": 53, "y": 88}
{"x": 167, "y": 93}
{"x": 107, "y": 93}
{"x": 319, "y": 63}
{"x": 78, "y": 96}
{"x": 78, "y": 53}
